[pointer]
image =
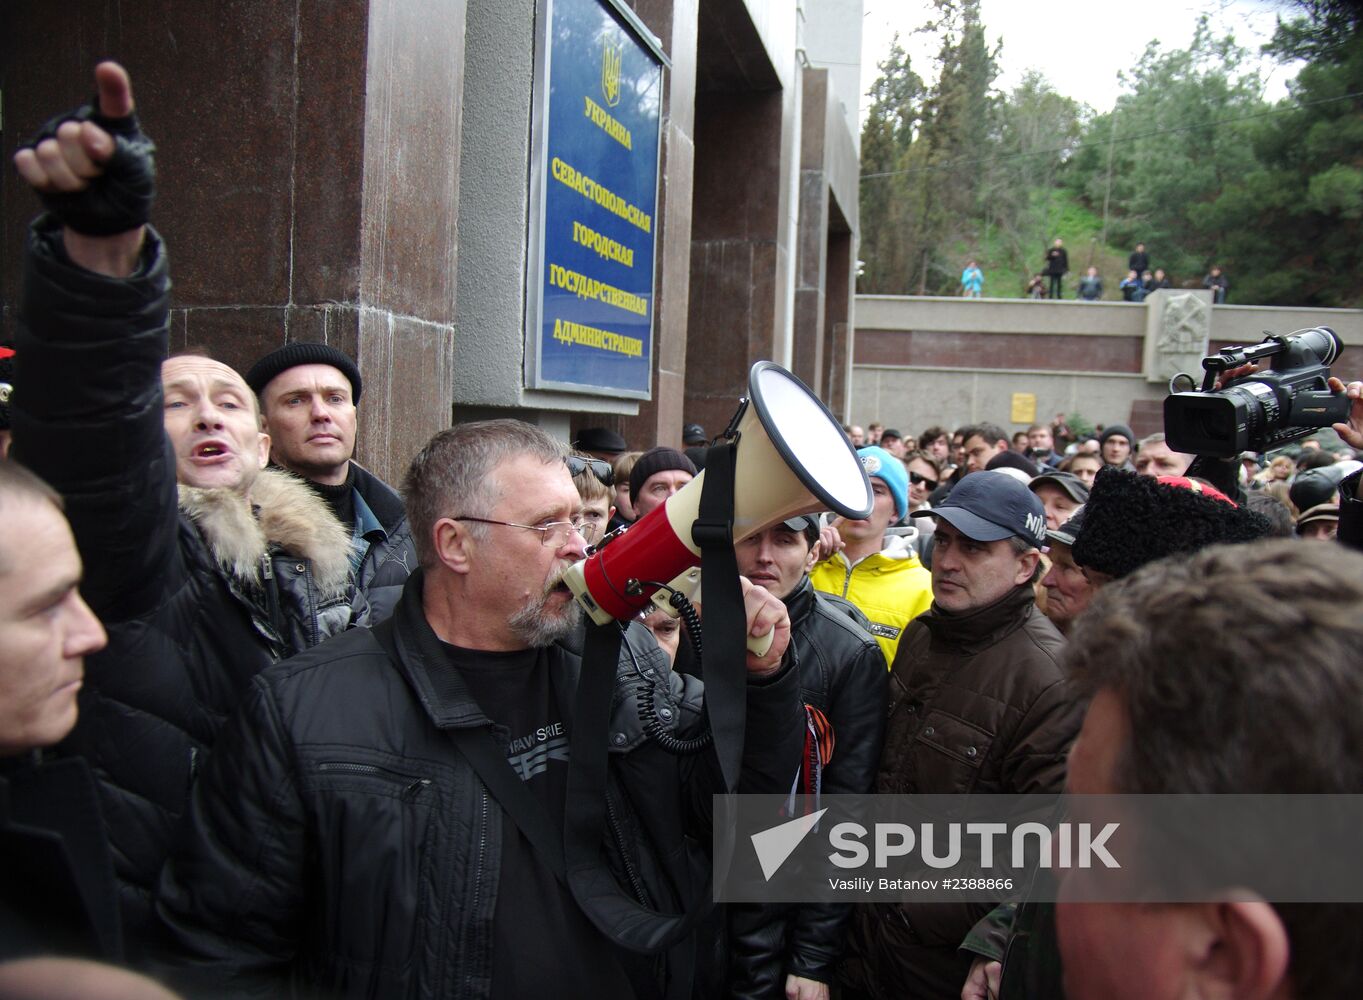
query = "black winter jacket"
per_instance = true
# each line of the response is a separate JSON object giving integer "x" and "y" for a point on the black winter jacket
{"x": 1057, "y": 261}
{"x": 389, "y": 561}
{"x": 1351, "y": 512}
{"x": 197, "y": 593}
{"x": 57, "y": 891}
{"x": 842, "y": 673}
{"x": 338, "y": 840}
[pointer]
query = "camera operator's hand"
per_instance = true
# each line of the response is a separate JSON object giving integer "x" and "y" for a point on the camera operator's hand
{"x": 99, "y": 185}
{"x": 1230, "y": 374}
{"x": 765, "y": 614}
{"x": 1352, "y": 432}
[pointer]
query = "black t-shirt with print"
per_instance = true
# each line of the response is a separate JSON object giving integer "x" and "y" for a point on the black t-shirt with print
{"x": 543, "y": 945}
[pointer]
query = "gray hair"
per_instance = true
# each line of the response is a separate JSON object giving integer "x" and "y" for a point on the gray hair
{"x": 452, "y": 475}
{"x": 1021, "y": 546}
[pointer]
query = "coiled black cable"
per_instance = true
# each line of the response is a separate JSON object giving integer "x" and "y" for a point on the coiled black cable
{"x": 654, "y": 728}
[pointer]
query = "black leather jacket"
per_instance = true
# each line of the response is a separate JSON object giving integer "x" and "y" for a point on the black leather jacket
{"x": 337, "y": 787}
{"x": 186, "y": 632}
{"x": 1350, "y": 512}
{"x": 842, "y": 673}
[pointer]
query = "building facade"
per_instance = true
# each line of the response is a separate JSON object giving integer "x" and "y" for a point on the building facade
{"x": 379, "y": 175}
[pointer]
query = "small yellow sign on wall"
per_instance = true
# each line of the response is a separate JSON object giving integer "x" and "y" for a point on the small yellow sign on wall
{"x": 1024, "y": 408}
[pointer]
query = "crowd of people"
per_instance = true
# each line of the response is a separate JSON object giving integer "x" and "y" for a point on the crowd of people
{"x": 272, "y": 726}
{"x": 1140, "y": 279}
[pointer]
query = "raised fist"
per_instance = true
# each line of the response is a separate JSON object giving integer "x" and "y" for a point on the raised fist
{"x": 93, "y": 167}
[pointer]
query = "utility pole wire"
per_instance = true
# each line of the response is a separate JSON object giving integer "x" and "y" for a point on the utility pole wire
{"x": 957, "y": 164}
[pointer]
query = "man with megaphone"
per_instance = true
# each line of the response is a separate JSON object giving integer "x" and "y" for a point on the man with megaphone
{"x": 402, "y": 812}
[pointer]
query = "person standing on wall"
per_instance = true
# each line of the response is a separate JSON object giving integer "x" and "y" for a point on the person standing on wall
{"x": 1057, "y": 266}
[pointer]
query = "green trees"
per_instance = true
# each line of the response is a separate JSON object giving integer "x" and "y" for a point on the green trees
{"x": 1169, "y": 148}
{"x": 1191, "y": 161}
{"x": 917, "y": 148}
{"x": 1293, "y": 223}
{"x": 890, "y": 214}
{"x": 1038, "y": 129}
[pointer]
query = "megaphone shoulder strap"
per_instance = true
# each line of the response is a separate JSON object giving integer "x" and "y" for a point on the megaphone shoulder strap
{"x": 725, "y": 622}
{"x": 628, "y": 923}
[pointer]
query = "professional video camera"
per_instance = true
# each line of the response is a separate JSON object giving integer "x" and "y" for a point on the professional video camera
{"x": 1261, "y": 410}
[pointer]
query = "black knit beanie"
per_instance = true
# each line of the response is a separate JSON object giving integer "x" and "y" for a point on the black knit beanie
{"x": 1131, "y": 520}
{"x": 281, "y": 359}
{"x": 657, "y": 460}
{"x": 1114, "y": 430}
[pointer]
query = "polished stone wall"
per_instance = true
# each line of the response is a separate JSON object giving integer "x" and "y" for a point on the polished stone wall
{"x": 660, "y": 419}
{"x": 307, "y": 154}
{"x": 807, "y": 343}
{"x": 359, "y": 172}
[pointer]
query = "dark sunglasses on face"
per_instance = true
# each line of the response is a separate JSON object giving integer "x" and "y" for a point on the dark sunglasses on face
{"x": 600, "y": 469}
{"x": 918, "y": 480}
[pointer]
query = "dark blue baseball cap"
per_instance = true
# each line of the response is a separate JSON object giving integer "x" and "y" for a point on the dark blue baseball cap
{"x": 990, "y": 506}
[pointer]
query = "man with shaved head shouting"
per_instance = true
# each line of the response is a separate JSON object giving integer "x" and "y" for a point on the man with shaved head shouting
{"x": 204, "y": 565}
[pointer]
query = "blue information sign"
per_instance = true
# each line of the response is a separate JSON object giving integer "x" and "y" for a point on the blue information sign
{"x": 590, "y": 318}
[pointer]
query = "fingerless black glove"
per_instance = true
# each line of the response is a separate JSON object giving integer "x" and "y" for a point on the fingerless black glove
{"x": 121, "y": 197}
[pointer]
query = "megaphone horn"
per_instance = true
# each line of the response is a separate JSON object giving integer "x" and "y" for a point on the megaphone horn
{"x": 791, "y": 458}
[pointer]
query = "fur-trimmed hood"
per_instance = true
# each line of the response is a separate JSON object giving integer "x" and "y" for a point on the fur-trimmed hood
{"x": 287, "y": 514}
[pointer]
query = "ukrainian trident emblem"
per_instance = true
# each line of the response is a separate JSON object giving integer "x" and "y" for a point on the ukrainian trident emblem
{"x": 610, "y": 73}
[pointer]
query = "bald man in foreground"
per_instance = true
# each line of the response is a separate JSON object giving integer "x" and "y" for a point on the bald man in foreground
{"x": 204, "y": 565}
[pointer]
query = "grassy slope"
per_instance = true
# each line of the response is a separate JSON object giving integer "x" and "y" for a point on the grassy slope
{"x": 1005, "y": 275}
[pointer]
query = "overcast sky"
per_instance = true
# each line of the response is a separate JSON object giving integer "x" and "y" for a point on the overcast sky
{"x": 1079, "y": 45}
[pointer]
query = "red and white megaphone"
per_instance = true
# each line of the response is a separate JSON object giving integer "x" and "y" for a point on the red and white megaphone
{"x": 791, "y": 458}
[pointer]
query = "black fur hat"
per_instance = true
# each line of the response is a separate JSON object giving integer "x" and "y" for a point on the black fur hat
{"x": 1131, "y": 520}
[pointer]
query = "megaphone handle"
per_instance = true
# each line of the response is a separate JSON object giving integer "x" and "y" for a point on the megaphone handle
{"x": 759, "y": 644}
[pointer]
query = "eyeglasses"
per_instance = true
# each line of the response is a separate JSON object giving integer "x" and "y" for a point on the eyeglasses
{"x": 602, "y": 470}
{"x": 918, "y": 480}
{"x": 553, "y": 535}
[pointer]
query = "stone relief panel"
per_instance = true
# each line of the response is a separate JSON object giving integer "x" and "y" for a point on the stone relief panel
{"x": 1178, "y": 328}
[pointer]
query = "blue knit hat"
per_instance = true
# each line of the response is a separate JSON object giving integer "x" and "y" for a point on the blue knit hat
{"x": 889, "y": 470}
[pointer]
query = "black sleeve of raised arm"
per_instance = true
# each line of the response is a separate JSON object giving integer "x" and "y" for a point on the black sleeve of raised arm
{"x": 87, "y": 415}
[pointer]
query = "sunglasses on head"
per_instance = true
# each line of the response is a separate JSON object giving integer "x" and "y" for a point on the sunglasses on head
{"x": 602, "y": 470}
{"x": 918, "y": 480}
